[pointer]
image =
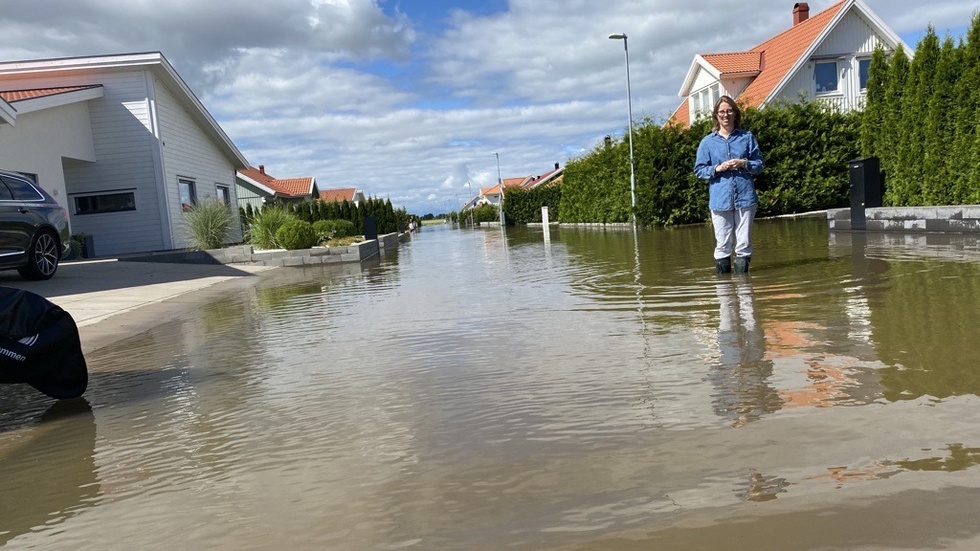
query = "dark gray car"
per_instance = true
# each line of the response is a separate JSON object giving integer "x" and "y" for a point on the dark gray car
{"x": 33, "y": 228}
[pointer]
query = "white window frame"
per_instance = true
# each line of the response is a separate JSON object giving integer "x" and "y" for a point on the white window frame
{"x": 837, "y": 87}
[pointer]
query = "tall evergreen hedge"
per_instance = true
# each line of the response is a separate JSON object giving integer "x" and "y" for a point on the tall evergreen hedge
{"x": 920, "y": 120}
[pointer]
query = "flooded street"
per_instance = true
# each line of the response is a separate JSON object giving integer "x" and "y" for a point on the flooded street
{"x": 483, "y": 390}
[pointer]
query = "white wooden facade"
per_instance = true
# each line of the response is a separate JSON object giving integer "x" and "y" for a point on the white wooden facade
{"x": 842, "y": 48}
{"x": 147, "y": 131}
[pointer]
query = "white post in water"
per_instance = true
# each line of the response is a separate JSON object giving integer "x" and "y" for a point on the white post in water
{"x": 544, "y": 224}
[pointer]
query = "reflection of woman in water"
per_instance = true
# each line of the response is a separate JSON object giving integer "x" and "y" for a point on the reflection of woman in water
{"x": 742, "y": 373}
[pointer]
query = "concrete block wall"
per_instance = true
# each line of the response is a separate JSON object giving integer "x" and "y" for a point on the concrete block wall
{"x": 246, "y": 254}
{"x": 945, "y": 219}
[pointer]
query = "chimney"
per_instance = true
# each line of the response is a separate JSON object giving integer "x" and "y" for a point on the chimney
{"x": 801, "y": 12}
{"x": 262, "y": 169}
{"x": 556, "y": 166}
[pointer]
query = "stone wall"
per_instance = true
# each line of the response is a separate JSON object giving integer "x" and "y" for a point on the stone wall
{"x": 246, "y": 254}
{"x": 947, "y": 219}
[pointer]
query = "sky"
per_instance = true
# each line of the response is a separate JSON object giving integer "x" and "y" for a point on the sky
{"x": 421, "y": 101}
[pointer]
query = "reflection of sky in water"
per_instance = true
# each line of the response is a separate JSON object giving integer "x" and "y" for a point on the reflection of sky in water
{"x": 485, "y": 390}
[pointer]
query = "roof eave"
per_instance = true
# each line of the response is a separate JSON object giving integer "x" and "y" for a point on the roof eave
{"x": 7, "y": 113}
{"x": 692, "y": 73}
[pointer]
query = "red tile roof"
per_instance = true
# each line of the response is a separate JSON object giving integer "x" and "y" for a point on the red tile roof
{"x": 338, "y": 195}
{"x": 734, "y": 63}
{"x": 776, "y": 57}
{"x": 257, "y": 174}
{"x": 286, "y": 187}
{"x": 293, "y": 187}
{"x": 20, "y": 95}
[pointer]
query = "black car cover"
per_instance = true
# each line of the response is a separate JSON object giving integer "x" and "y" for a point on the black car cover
{"x": 40, "y": 346}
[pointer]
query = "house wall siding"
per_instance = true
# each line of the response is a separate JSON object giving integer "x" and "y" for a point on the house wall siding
{"x": 122, "y": 141}
{"x": 249, "y": 196}
{"x": 39, "y": 141}
{"x": 850, "y": 40}
{"x": 190, "y": 153}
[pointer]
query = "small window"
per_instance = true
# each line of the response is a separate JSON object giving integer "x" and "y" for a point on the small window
{"x": 21, "y": 190}
{"x": 188, "y": 195}
{"x": 105, "y": 202}
{"x": 825, "y": 73}
{"x": 863, "y": 66}
{"x": 715, "y": 95}
{"x": 224, "y": 195}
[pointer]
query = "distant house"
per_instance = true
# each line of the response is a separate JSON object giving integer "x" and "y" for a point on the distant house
{"x": 339, "y": 195}
{"x": 550, "y": 178}
{"x": 491, "y": 195}
{"x": 824, "y": 57}
{"x": 257, "y": 188}
{"x": 120, "y": 141}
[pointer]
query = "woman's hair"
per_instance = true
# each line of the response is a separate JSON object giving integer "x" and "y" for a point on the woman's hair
{"x": 736, "y": 114}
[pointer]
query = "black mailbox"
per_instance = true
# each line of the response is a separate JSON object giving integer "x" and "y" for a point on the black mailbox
{"x": 865, "y": 189}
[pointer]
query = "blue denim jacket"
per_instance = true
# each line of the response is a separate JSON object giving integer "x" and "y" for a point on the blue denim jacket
{"x": 733, "y": 188}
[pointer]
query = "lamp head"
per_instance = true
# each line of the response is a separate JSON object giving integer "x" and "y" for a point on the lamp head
{"x": 617, "y": 36}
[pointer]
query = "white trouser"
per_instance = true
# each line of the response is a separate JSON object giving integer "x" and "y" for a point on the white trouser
{"x": 731, "y": 224}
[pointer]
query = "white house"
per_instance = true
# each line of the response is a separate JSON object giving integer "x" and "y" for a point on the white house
{"x": 120, "y": 141}
{"x": 824, "y": 57}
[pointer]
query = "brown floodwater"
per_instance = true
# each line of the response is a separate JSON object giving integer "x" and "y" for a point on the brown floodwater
{"x": 582, "y": 390}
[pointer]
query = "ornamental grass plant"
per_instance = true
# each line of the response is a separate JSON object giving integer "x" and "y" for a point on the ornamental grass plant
{"x": 207, "y": 224}
{"x": 264, "y": 225}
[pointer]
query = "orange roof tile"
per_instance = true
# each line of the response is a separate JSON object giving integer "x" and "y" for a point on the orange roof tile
{"x": 738, "y": 62}
{"x": 257, "y": 174}
{"x": 20, "y": 95}
{"x": 293, "y": 187}
{"x": 338, "y": 195}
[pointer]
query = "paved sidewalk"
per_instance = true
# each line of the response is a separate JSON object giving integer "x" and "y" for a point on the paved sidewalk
{"x": 109, "y": 299}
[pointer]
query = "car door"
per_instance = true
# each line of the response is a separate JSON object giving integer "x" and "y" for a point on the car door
{"x": 19, "y": 217}
{"x": 12, "y": 249}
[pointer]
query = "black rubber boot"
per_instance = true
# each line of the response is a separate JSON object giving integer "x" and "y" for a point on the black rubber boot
{"x": 723, "y": 265}
{"x": 742, "y": 264}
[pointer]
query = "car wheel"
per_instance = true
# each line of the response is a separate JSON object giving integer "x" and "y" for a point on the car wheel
{"x": 42, "y": 258}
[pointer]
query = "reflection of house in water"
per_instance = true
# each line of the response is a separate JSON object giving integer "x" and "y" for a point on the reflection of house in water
{"x": 768, "y": 365}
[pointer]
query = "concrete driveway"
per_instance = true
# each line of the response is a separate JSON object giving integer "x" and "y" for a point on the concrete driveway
{"x": 112, "y": 299}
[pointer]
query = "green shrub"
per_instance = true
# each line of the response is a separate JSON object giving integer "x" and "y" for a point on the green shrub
{"x": 265, "y": 224}
{"x": 334, "y": 229}
{"x": 207, "y": 224}
{"x": 296, "y": 234}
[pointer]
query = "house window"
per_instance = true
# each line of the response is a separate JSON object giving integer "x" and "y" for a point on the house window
{"x": 825, "y": 74}
{"x": 188, "y": 195}
{"x": 105, "y": 202}
{"x": 863, "y": 66}
{"x": 224, "y": 194}
{"x": 705, "y": 100}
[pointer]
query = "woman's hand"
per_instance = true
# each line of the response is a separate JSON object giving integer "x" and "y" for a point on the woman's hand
{"x": 732, "y": 164}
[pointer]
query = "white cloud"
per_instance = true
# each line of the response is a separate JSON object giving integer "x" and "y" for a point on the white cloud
{"x": 368, "y": 94}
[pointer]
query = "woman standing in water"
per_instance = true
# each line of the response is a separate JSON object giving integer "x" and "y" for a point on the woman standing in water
{"x": 729, "y": 158}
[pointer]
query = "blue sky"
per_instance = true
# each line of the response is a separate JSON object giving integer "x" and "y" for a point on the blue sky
{"x": 411, "y": 99}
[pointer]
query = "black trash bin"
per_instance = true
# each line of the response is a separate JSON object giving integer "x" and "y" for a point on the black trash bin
{"x": 370, "y": 228}
{"x": 865, "y": 189}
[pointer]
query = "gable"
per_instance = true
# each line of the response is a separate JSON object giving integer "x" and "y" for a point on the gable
{"x": 782, "y": 66}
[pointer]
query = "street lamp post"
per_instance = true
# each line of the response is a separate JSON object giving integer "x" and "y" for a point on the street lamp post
{"x": 629, "y": 106}
{"x": 500, "y": 185}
